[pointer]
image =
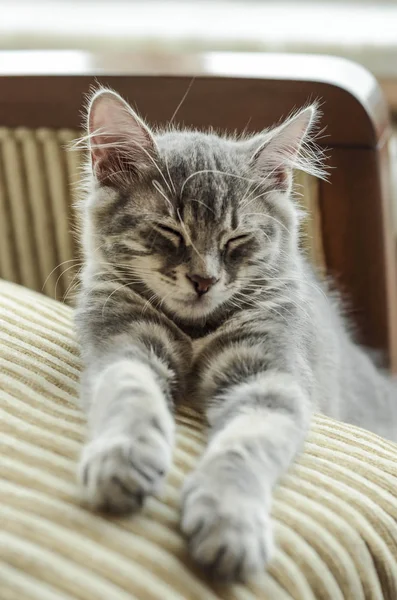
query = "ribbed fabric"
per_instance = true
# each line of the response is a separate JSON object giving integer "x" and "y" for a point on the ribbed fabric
{"x": 335, "y": 512}
{"x": 38, "y": 181}
{"x": 38, "y": 177}
{"x": 307, "y": 196}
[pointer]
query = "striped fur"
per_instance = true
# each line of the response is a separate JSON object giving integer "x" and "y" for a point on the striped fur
{"x": 259, "y": 351}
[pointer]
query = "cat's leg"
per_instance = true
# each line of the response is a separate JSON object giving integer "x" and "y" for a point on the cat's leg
{"x": 127, "y": 388}
{"x": 131, "y": 433}
{"x": 259, "y": 416}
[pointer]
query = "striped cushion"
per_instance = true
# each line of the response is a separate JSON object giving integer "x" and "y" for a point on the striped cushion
{"x": 334, "y": 512}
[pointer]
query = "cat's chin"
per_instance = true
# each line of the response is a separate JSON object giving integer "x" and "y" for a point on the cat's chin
{"x": 192, "y": 309}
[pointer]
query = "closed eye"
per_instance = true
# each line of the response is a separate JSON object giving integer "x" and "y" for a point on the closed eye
{"x": 237, "y": 240}
{"x": 169, "y": 232}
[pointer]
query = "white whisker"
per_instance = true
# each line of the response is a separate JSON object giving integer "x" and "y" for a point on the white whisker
{"x": 216, "y": 172}
{"x": 182, "y": 101}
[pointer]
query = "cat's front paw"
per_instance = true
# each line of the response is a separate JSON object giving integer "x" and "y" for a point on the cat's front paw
{"x": 117, "y": 472}
{"x": 229, "y": 531}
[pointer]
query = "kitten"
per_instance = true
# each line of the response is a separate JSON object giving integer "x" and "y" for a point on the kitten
{"x": 194, "y": 284}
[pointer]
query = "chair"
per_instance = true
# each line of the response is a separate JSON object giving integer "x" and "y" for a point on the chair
{"x": 335, "y": 511}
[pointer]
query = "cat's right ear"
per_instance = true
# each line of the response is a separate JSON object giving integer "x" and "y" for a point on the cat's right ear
{"x": 120, "y": 143}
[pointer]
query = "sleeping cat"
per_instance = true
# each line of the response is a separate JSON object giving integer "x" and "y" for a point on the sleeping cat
{"x": 194, "y": 286}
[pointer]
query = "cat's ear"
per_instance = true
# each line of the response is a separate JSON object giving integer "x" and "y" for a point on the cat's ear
{"x": 285, "y": 148}
{"x": 120, "y": 142}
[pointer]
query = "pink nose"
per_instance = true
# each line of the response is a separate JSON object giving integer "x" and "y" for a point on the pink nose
{"x": 202, "y": 284}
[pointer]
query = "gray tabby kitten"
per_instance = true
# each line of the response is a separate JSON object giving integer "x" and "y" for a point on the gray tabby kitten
{"x": 194, "y": 286}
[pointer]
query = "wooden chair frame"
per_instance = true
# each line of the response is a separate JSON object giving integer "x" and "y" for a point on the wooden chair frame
{"x": 251, "y": 91}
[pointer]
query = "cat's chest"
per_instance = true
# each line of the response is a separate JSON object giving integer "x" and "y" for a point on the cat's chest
{"x": 198, "y": 338}
{"x": 198, "y": 345}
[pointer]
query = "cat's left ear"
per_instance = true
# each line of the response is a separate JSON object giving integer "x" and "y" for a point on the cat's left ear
{"x": 281, "y": 149}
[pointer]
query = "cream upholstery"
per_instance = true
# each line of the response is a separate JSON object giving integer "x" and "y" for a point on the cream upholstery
{"x": 38, "y": 181}
{"x": 335, "y": 512}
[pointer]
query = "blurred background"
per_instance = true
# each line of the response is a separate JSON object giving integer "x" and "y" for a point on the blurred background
{"x": 362, "y": 30}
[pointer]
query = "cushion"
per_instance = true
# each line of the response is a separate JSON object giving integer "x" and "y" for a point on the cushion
{"x": 335, "y": 511}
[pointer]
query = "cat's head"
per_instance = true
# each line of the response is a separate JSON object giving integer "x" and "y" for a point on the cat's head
{"x": 195, "y": 220}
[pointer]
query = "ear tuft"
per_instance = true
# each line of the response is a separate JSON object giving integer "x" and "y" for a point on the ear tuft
{"x": 120, "y": 143}
{"x": 290, "y": 146}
